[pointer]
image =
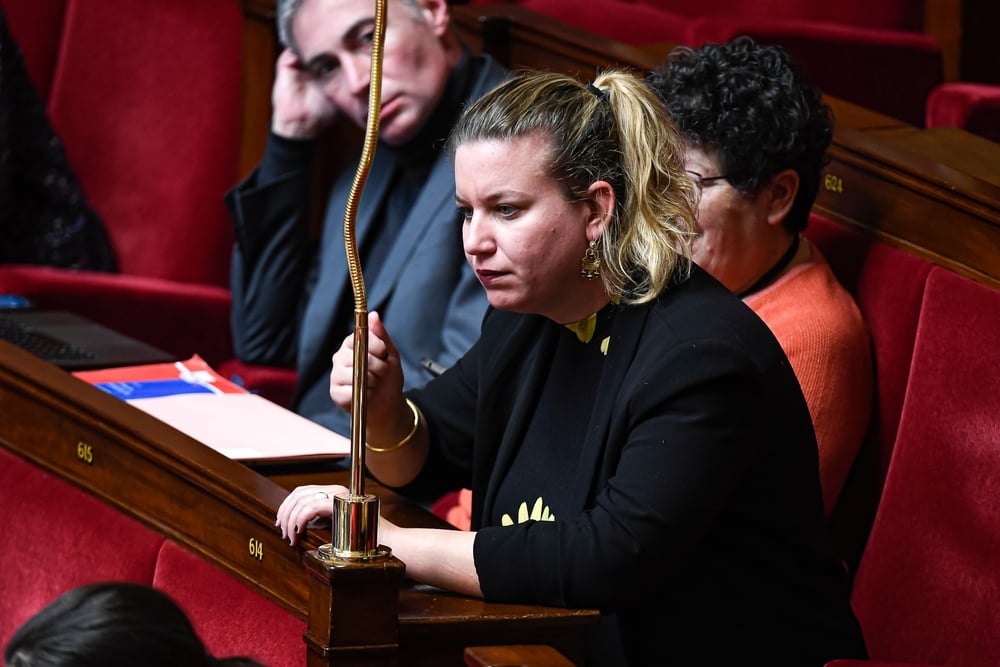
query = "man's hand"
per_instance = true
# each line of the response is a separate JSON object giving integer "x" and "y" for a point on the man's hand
{"x": 301, "y": 108}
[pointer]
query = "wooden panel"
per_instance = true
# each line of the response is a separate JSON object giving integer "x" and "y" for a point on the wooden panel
{"x": 224, "y": 511}
{"x": 943, "y": 22}
{"x": 260, "y": 51}
{"x": 918, "y": 190}
{"x": 213, "y": 506}
{"x": 514, "y": 656}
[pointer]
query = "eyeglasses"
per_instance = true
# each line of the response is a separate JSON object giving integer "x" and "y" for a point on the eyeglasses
{"x": 704, "y": 181}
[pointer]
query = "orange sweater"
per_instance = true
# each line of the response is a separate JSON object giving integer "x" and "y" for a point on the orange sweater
{"x": 825, "y": 338}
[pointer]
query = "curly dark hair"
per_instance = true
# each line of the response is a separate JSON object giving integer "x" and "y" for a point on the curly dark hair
{"x": 750, "y": 104}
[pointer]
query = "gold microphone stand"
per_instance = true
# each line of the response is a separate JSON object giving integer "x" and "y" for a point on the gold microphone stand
{"x": 356, "y": 514}
{"x": 354, "y": 582}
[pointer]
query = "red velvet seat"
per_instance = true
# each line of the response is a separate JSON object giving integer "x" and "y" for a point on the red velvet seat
{"x": 890, "y": 71}
{"x": 631, "y": 24}
{"x": 974, "y": 107}
{"x": 888, "y": 286}
{"x": 57, "y": 538}
{"x": 230, "y": 618}
{"x": 928, "y": 587}
{"x": 887, "y": 14}
{"x": 146, "y": 98}
{"x": 872, "y": 54}
{"x": 182, "y": 318}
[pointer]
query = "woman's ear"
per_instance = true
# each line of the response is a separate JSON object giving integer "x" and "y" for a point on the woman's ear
{"x": 601, "y": 206}
{"x": 782, "y": 191}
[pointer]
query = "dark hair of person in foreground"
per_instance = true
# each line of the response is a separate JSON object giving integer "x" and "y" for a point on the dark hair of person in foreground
{"x": 113, "y": 624}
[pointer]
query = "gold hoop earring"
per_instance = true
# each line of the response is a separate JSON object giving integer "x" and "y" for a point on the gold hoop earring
{"x": 590, "y": 265}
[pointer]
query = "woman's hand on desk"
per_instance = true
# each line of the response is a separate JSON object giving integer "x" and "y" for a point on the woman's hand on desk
{"x": 303, "y": 505}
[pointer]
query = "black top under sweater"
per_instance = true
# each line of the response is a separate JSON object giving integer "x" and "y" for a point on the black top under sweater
{"x": 532, "y": 489}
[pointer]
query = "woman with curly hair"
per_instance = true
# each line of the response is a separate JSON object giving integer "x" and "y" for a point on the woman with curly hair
{"x": 756, "y": 134}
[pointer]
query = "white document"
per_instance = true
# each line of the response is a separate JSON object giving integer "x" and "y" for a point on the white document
{"x": 245, "y": 427}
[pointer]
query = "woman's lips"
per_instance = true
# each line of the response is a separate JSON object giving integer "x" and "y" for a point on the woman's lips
{"x": 488, "y": 277}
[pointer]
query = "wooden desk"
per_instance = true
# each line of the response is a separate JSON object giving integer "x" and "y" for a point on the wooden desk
{"x": 921, "y": 191}
{"x": 216, "y": 507}
{"x": 969, "y": 154}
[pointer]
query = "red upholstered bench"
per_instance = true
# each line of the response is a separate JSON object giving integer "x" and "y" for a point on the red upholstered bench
{"x": 849, "y": 49}
{"x": 146, "y": 97}
{"x": 974, "y": 107}
{"x": 928, "y": 587}
{"x": 231, "y": 619}
{"x": 57, "y": 537}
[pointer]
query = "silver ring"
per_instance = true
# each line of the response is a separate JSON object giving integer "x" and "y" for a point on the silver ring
{"x": 321, "y": 495}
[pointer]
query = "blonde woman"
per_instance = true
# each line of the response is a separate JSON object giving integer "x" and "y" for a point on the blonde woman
{"x": 633, "y": 435}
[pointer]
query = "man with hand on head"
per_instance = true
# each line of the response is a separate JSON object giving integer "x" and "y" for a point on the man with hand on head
{"x": 292, "y": 297}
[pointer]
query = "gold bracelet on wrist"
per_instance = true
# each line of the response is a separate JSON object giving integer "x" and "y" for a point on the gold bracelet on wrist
{"x": 409, "y": 436}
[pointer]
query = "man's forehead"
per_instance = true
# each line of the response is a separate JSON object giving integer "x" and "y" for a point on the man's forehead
{"x": 320, "y": 25}
{"x": 338, "y": 20}
{"x": 348, "y": 10}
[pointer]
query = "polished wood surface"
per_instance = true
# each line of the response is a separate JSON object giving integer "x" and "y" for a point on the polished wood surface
{"x": 515, "y": 656}
{"x": 224, "y": 511}
{"x": 260, "y": 51}
{"x": 920, "y": 191}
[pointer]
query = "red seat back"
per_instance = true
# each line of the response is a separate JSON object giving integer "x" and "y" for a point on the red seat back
{"x": 230, "y": 618}
{"x": 928, "y": 589}
{"x": 974, "y": 107}
{"x": 146, "y": 98}
{"x": 888, "y": 286}
{"x": 887, "y": 14}
{"x": 849, "y": 62}
{"x": 57, "y": 537}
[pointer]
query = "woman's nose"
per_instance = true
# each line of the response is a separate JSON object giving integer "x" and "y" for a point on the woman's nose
{"x": 476, "y": 236}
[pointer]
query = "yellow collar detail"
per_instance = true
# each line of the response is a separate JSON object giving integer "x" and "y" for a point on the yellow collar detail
{"x": 584, "y": 329}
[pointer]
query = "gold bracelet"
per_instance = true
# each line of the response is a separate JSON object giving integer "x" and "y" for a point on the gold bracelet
{"x": 409, "y": 436}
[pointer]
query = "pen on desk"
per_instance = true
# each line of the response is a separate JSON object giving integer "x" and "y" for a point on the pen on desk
{"x": 433, "y": 367}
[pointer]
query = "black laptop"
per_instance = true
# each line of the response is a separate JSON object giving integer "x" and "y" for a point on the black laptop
{"x": 74, "y": 342}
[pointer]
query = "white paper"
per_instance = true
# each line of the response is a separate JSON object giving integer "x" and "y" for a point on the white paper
{"x": 245, "y": 426}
